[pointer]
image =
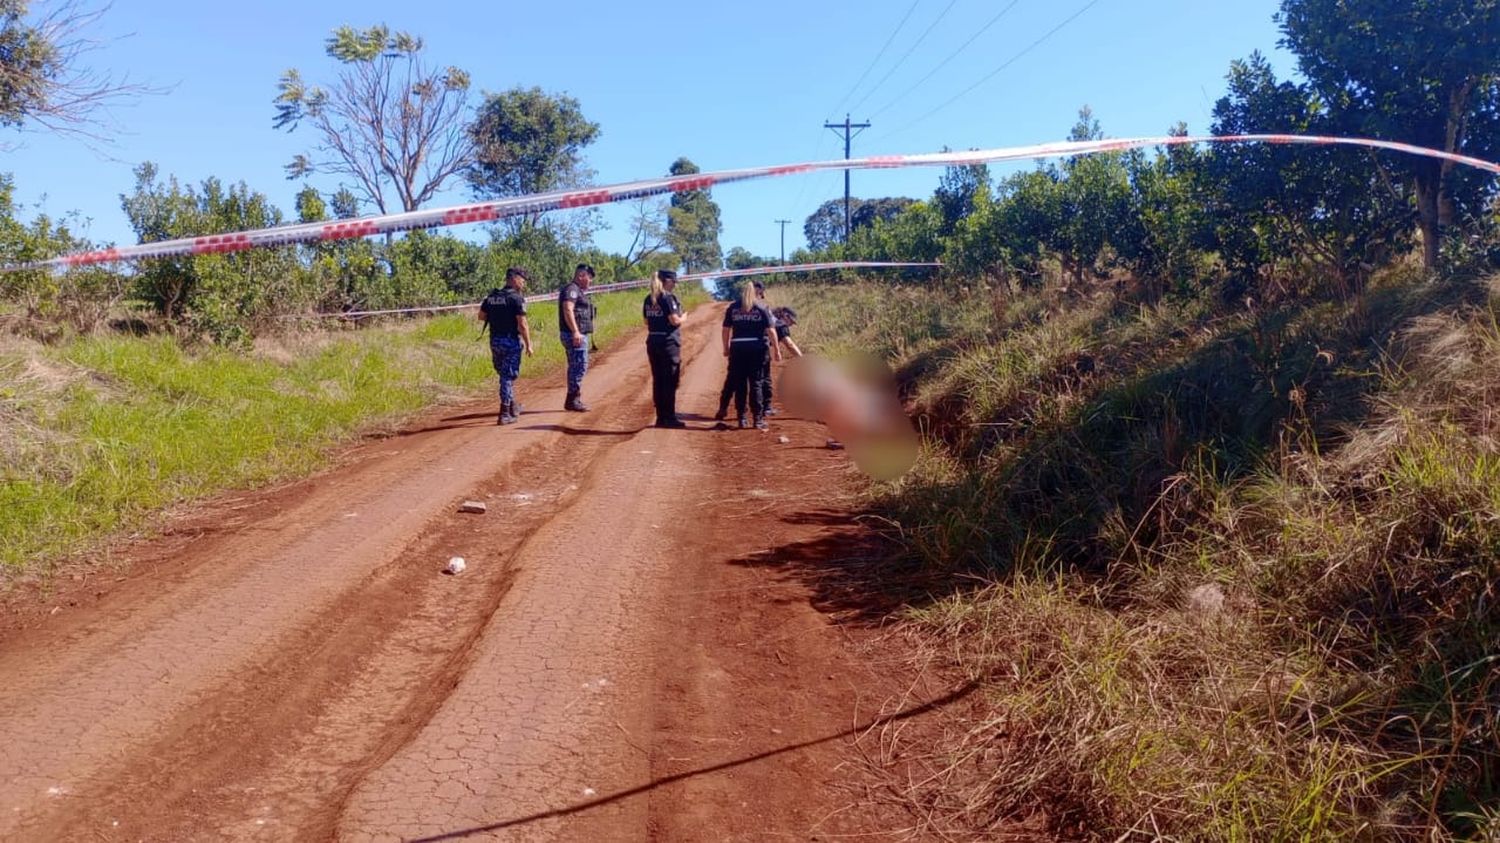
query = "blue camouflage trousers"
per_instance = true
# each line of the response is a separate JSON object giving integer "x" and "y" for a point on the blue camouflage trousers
{"x": 578, "y": 361}
{"x": 505, "y": 353}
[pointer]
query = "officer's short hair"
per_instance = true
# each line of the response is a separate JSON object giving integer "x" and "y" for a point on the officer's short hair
{"x": 583, "y": 267}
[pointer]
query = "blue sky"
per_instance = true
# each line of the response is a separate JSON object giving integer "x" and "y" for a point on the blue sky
{"x": 725, "y": 84}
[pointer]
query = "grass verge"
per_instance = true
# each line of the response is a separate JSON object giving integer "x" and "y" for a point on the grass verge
{"x": 1223, "y": 575}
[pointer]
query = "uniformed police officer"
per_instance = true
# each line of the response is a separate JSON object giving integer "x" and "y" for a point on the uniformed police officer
{"x": 763, "y": 381}
{"x": 663, "y": 314}
{"x": 786, "y": 317}
{"x": 504, "y": 312}
{"x": 575, "y": 317}
{"x": 749, "y": 339}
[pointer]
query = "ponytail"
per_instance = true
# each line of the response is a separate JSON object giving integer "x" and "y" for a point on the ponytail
{"x": 656, "y": 288}
{"x": 747, "y": 296}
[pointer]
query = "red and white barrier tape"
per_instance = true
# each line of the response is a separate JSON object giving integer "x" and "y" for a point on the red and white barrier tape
{"x": 628, "y": 285}
{"x": 558, "y": 200}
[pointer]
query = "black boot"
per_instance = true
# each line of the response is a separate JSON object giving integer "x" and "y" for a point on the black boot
{"x": 575, "y": 403}
{"x": 508, "y": 413}
{"x": 743, "y": 423}
{"x": 723, "y": 410}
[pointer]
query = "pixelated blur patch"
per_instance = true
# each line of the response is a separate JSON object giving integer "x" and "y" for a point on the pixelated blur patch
{"x": 857, "y": 399}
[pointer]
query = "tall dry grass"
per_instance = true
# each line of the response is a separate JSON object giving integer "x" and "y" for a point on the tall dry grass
{"x": 1241, "y": 567}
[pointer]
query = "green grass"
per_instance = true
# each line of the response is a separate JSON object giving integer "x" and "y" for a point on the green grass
{"x": 1238, "y": 570}
{"x": 99, "y": 434}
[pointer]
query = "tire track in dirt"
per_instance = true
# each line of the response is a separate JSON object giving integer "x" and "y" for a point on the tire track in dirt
{"x": 622, "y": 660}
{"x": 234, "y": 654}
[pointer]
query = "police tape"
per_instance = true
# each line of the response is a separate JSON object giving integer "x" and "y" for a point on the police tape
{"x": 643, "y": 282}
{"x": 478, "y": 212}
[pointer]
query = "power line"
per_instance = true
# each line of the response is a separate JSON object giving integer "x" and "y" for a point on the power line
{"x": 951, "y": 56}
{"x": 878, "y": 56}
{"x": 807, "y": 180}
{"x": 1008, "y": 62}
{"x": 906, "y": 55}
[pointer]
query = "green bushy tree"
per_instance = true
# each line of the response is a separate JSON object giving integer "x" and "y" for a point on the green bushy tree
{"x": 693, "y": 224}
{"x": 225, "y": 297}
{"x": 1333, "y": 211}
{"x": 1422, "y": 71}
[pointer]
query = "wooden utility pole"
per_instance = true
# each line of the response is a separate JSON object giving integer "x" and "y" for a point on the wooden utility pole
{"x": 847, "y": 128}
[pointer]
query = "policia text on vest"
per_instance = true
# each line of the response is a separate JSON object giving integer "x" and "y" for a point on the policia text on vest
{"x": 504, "y": 313}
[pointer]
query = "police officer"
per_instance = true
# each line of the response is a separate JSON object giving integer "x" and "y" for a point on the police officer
{"x": 663, "y": 314}
{"x": 504, "y": 312}
{"x": 762, "y": 383}
{"x": 575, "y": 317}
{"x": 749, "y": 340}
{"x": 786, "y": 317}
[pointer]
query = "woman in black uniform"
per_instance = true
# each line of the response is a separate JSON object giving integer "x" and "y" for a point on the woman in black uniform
{"x": 663, "y": 314}
{"x": 749, "y": 340}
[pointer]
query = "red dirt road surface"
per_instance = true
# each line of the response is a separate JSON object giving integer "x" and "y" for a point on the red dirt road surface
{"x": 626, "y": 657}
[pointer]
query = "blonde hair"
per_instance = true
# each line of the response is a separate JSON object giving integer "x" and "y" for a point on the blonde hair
{"x": 657, "y": 287}
{"x": 747, "y": 296}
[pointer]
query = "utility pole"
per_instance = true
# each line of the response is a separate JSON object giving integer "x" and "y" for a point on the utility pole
{"x": 783, "y": 223}
{"x": 846, "y": 127}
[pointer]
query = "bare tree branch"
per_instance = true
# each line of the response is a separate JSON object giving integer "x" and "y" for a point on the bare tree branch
{"x": 388, "y": 121}
{"x": 45, "y": 81}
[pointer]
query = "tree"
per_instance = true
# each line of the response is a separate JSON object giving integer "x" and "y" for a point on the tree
{"x": 388, "y": 121}
{"x": 648, "y": 230}
{"x": 884, "y": 209}
{"x": 1425, "y": 72}
{"x": 1092, "y": 195}
{"x": 1166, "y": 236}
{"x": 42, "y": 79}
{"x": 693, "y": 224}
{"x": 954, "y": 197}
{"x": 1334, "y": 209}
{"x": 528, "y": 141}
{"x": 222, "y": 295}
{"x": 79, "y": 296}
{"x": 310, "y": 205}
{"x": 825, "y": 226}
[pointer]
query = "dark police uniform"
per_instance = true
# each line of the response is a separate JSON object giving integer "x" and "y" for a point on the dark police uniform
{"x": 762, "y": 383}
{"x": 664, "y": 350}
{"x": 782, "y": 332}
{"x": 583, "y": 313}
{"x": 502, "y": 311}
{"x": 749, "y": 353}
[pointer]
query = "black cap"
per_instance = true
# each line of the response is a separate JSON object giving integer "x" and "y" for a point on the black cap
{"x": 666, "y": 275}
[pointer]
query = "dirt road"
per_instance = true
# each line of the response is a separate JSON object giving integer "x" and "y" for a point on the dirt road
{"x": 623, "y": 659}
